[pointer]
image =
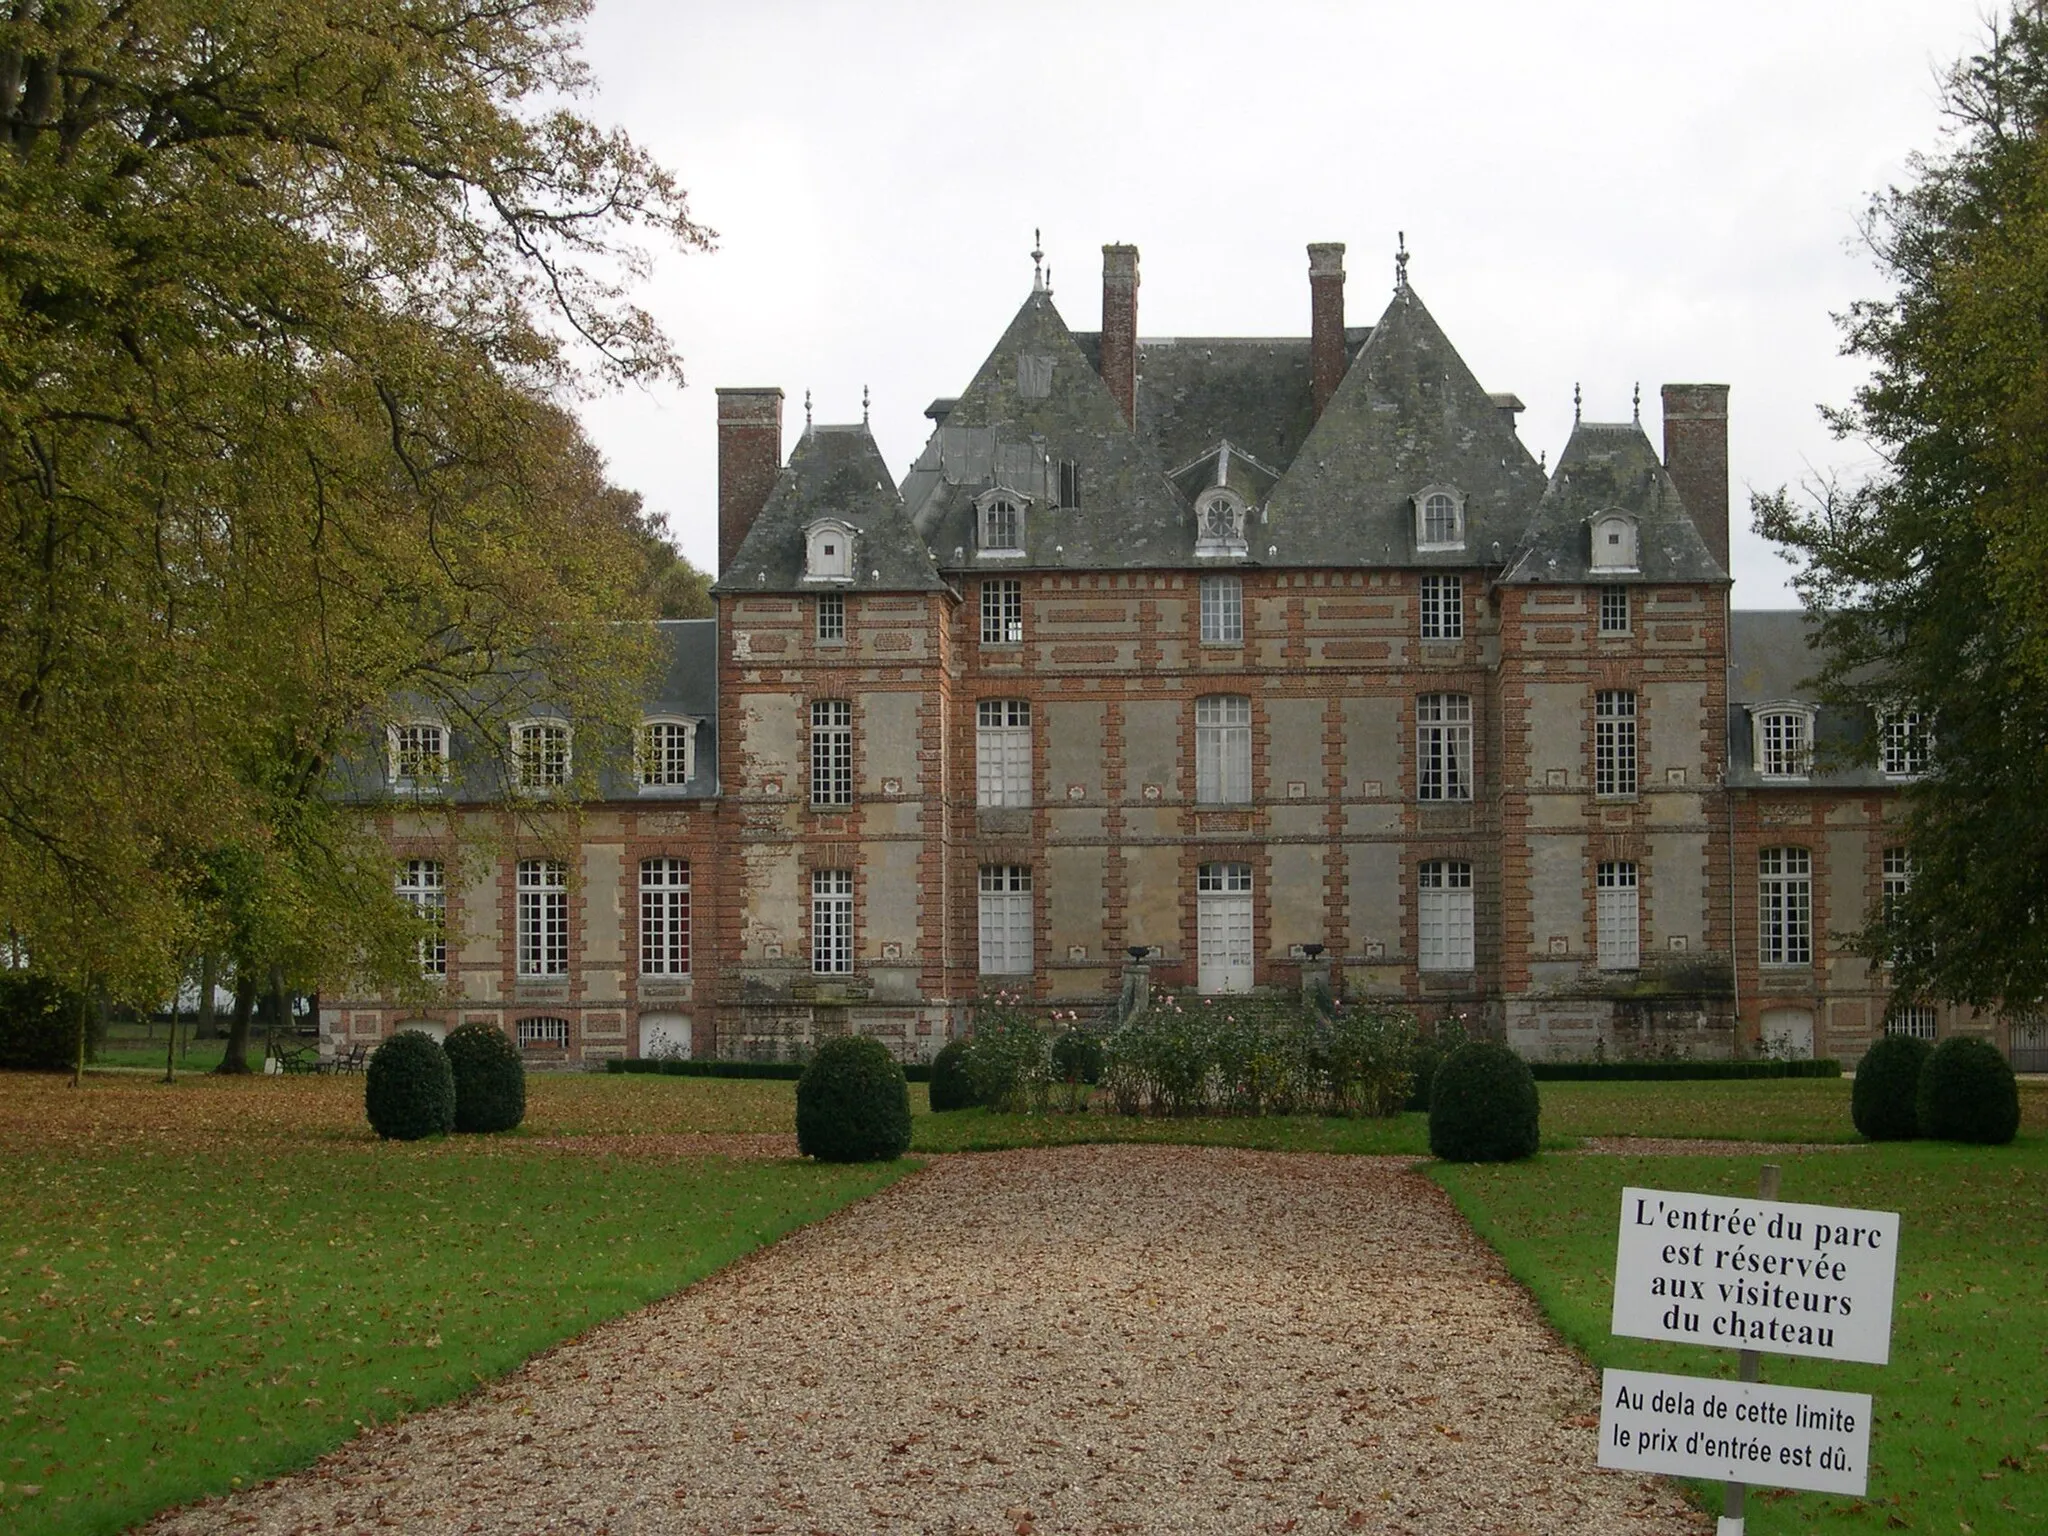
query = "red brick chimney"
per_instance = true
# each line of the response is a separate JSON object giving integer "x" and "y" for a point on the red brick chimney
{"x": 1326, "y": 359}
{"x": 1696, "y": 457}
{"x": 1120, "y": 326}
{"x": 749, "y": 458}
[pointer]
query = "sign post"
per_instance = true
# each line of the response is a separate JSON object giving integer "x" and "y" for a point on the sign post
{"x": 1748, "y": 1367}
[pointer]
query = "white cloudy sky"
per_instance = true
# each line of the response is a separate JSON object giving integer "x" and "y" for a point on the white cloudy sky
{"x": 1591, "y": 192}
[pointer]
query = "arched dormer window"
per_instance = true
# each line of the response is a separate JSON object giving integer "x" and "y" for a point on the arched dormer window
{"x": 828, "y": 551}
{"x": 999, "y": 523}
{"x": 1439, "y": 517}
{"x": 667, "y": 754}
{"x": 1219, "y": 524}
{"x": 1613, "y": 545}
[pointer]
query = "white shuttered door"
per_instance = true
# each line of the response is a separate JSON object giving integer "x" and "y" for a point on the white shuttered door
{"x": 1223, "y": 927}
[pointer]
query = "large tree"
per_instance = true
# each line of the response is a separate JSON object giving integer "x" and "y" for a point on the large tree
{"x": 291, "y": 296}
{"x": 1930, "y": 581}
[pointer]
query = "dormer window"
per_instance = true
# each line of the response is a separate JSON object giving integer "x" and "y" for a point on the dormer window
{"x": 1219, "y": 525}
{"x": 1783, "y": 740}
{"x": 668, "y": 752}
{"x": 1439, "y": 518}
{"x": 540, "y": 754}
{"x": 1000, "y": 523}
{"x": 828, "y": 552}
{"x": 417, "y": 755}
{"x": 1614, "y": 542}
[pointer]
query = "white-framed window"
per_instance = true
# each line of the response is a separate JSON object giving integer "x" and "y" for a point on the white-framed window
{"x": 1443, "y": 607}
{"x": 1439, "y": 518}
{"x": 417, "y": 755}
{"x": 1219, "y": 525}
{"x": 1443, "y": 746}
{"x": 831, "y": 752}
{"x": 1901, "y": 743}
{"x": 1222, "y": 610}
{"x": 1443, "y": 915}
{"x": 831, "y": 618}
{"x": 1897, "y": 875}
{"x": 1006, "y": 920}
{"x": 1070, "y": 485}
{"x": 1614, "y": 743}
{"x": 1614, "y": 611}
{"x": 828, "y": 552}
{"x": 1002, "y": 752}
{"x": 1002, "y": 611}
{"x": 1223, "y": 749}
{"x": 423, "y": 884}
{"x": 668, "y": 753}
{"x": 1000, "y": 524}
{"x": 1785, "y": 906}
{"x": 1617, "y": 917}
{"x": 1614, "y": 542}
{"x": 1916, "y": 1019}
{"x": 1223, "y": 928}
{"x": 544, "y": 1033}
{"x": 832, "y": 921}
{"x": 543, "y": 917}
{"x": 664, "y": 917}
{"x": 1784, "y": 742}
{"x": 540, "y": 754}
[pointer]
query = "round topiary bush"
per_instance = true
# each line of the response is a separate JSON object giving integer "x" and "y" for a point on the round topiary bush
{"x": 852, "y": 1104}
{"x": 1968, "y": 1093}
{"x": 952, "y": 1084}
{"x": 490, "y": 1078}
{"x": 409, "y": 1091}
{"x": 1885, "y": 1101}
{"x": 1482, "y": 1105}
{"x": 1077, "y": 1057}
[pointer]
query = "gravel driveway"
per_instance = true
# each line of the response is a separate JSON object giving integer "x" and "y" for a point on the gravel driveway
{"x": 1086, "y": 1339}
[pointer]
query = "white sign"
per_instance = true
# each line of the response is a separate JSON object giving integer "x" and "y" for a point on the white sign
{"x": 1735, "y": 1431}
{"x": 1756, "y": 1274}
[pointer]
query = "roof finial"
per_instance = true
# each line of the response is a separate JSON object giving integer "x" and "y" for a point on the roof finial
{"x": 807, "y": 413}
{"x": 1543, "y": 460}
{"x": 863, "y": 405}
{"x": 1575, "y": 404}
{"x": 1037, "y": 261}
{"x": 1401, "y": 261}
{"x": 1639, "y": 402}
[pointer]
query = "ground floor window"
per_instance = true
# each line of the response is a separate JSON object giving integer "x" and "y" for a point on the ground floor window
{"x": 1223, "y": 927}
{"x": 1617, "y": 917}
{"x": 1005, "y": 919}
{"x": 832, "y": 921}
{"x": 664, "y": 917}
{"x": 543, "y": 1032}
{"x": 1785, "y": 906}
{"x": 543, "y": 917}
{"x": 423, "y": 884}
{"x": 1443, "y": 916}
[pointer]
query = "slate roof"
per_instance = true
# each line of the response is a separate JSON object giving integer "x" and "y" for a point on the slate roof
{"x": 1611, "y": 466}
{"x": 1771, "y": 662}
{"x": 834, "y": 471}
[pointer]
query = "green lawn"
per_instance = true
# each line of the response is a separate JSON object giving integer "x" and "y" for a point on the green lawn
{"x": 1960, "y": 1432}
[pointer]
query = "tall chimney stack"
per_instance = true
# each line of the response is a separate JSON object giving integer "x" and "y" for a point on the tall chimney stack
{"x": 1326, "y": 359}
{"x": 1696, "y": 457}
{"x": 749, "y": 459}
{"x": 1120, "y": 326}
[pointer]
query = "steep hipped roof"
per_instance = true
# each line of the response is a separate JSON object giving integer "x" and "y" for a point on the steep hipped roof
{"x": 1409, "y": 414}
{"x": 1610, "y": 466}
{"x": 834, "y": 472}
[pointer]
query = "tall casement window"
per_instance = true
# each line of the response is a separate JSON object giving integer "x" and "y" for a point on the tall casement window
{"x": 1443, "y": 746}
{"x": 1002, "y": 611}
{"x": 1617, "y": 916}
{"x": 1002, "y": 525}
{"x": 664, "y": 917}
{"x": 1070, "y": 486}
{"x": 1222, "y": 610}
{"x": 1785, "y": 906}
{"x": 831, "y": 618}
{"x": 1901, "y": 744}
{"x": 1002, "y": 752}
{"x": 423, "y": 883}
{"x": 1443, "y": 607}
{"x": 1443, "y": 915}
{"x": 1614, "y": 610}
{"x": 1223, "y": 749}
{"x": 832, "y": 921}
{"x": 1614, "y": 743}
{"x": 1784, "y": 743}
{"x": 1223, "y": 927}
{"x": 418, "y": 755}
{"x": 1005, "y": 920}
{"x": 540, "y": 754}
{"x": 831, "y": 752}
{"x": 1898, "y": 874}
{"x": 543, "y": 917}
{"x": 668, "y": 753}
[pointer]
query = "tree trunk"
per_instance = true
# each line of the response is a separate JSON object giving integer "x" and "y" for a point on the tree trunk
{"x": 205, "y": 1026}
{"x": 235, "y": 1059}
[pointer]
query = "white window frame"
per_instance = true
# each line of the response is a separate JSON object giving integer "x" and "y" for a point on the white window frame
{"x": 1219, "y": 525}
{"x": 1223, "y": 610}
{"x": 1439, "y": 518}
{"x": 404, "y": 758}
{"x": 1002, "y": 611}
{"x": 1223, "y": 749}
{"x": 828, "y": 552}
{"x": 423, "y": 885}
{"x": 1922, "y": 1021}
{"x": 543, "y": 1032}
{"x": 1002, "y": 752}
{"x": 1444, "y": 939}
{"x": 1612, "y": 542}
{"x": 667, "y": 747}
{"x": 1614, "y": 744}
{"x": 1443, "y": 747}
{"x": 831, "y": 624}
{"x": 543, "y": 754}
{"x": 1615, "y": 618}
{"x": 1901, "y": 743}
{"x": 831, "y": 754}
{"x": 832, "y": 922}
{"x": 1442, "y": 608}
{"x": 999, "y": 524}
{"x": 1784, "y": 907}
{"x": 1783, "y": 740}
{"x": 1895, "y": 874}
{"x": 1617, "y": 916}
{"x": 543, "y": 888}
{"x": 1225, "y": 928}
{"x": 1006, "y": 917}
{"x": 664, "y": 917}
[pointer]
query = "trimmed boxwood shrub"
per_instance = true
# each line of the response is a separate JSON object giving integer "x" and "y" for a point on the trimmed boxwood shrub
{"x": 1885, "y": 1100}
{"x": 852, "y": 1104}
{"x": 1968, "y": 1093}
{"x": 1483, "y": 1106}
{"x": 38, "y": 1024}
{"x": 490, "y": 1078}
{"x": 952, "y": 1083}
{"x": 409, "y": 1090}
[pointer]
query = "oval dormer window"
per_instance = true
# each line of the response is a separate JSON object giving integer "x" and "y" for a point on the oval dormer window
{"x": 828, "y": 552}
{"x": 1614, "y": 542}
{"x": 1219, "y": 525}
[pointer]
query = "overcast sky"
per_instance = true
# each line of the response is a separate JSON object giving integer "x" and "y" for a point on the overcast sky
{"x": 1591, "y": 193}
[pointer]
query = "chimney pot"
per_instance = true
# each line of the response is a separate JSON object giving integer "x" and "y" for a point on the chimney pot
{"x": 1120, "y": 326}
{"x": 749, "y": 459}
{"x": 1696, "y": 458}
{"x": 1326, "y": 353}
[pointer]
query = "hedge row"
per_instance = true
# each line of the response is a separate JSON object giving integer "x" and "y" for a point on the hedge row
{"x": 1677, "y": 1071}
{"x": 782, "y": 1071}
